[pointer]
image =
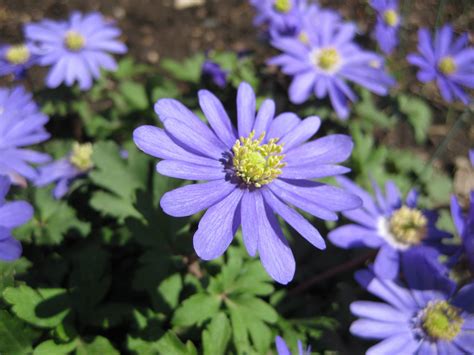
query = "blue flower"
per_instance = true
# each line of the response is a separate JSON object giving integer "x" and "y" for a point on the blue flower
{"x": 21, "y": 124}
{"x": 388, "y": 24}
{"x": 12, "y": 215}
{"x": 215, "y": 72}
{"x": 389, "y": 225}
{"x": 447, "y": 60}
{"x": 15, "y": 59}
{"x": 423, "y": 315}
{"x": 324, "y": 58}
{"x": 63, "y": 171}
{"x": 282, "y": 348}
{"x": 249, "y": 179}
{"x": 77, "y": 49}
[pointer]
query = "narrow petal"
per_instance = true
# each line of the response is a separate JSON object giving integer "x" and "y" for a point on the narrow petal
{"x": 355, "y": 236}
{"x": 304, "y": 131}
{"x": 10, "y": 249}
{"x": 301, "y": 87}
{"x": 14, "y": 214}
{"x": 379, "y": 311}
{"x": 387, "y": 263}
{"x": 249, "y": 214}
{"x": 190, "y": 199}
{"x": 402, "y": 343}
{"x": 264, "y": 117}
{"x": 216, "y": 228}
{"x": 189, "y": 171}
{"x": 282, "y": 348}
{"x": 245, "y": 109}
{"x": 372, "y": 329}
{"x": 308, "y": 171}
{"x": 282, "y": 124}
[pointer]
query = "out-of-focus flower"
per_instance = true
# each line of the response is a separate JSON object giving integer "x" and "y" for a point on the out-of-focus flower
{"x": 390, "y": 225}
{"x": 63, "y": 171}
{"x": 12, "y": 215}
{"x": 215, "y": 72}
{"x": 424, "y": 316}
{"x": 76, "y": 49}
{"x": 21, "y": 124}
{"x": 324, "y": 59}
{"x": 388, "y": 24}
{"x": 249, "y": 178}
{"x": 282, "y": 348}
{"x": 465, "y": 227}
{"x": 15, "y": 59}
{"x": 447, "y": 60}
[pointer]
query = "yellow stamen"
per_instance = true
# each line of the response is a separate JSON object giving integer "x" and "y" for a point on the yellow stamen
{"x": 303, "y": 37}
{"x": 74, "y": 41}
{"x": 282, "y": 5}
{"x": 442, "y": 321}
{"x": 81, "y": 156}
{"x": 257, "y": 164}
{"x": 326, "y": 58}
{"x": 18, "y": 54}
{"x": 447, "y": 65}
{"x": 391, "y": 17}
{"x": 408, "y": 226}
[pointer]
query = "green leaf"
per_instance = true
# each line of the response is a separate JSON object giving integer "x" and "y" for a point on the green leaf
{"x": 15, "y": 336}
{"x": 170, "y": 289}
{"x": 134, "y": 94}
{"x": 44, "y": 308}
{"x": 188, "y": 70}
{"x": 169, "y": 344}
{"x": 99, "y": 346}
{"x": 8, "y": 270}
{"x": 418, "y": 114}
{"x": 217, "y": 335}
{"x": 49, "y": 347}
{"x": 196, "y": 309}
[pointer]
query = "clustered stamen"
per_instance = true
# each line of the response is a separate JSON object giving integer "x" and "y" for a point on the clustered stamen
{"x": 391, "y": 17}
{"x": 81, "y": 156}
{"x": 18, "y": 54}
{"x": 74, "y": 41}
{"x": 447, "y": 65}
{"x": 408, "y": 226}
{"x": 255, "y": 163}
{"x": 326, "y": 59}
{"x": 442, "y": 321}
{"x": 283, "y": 6}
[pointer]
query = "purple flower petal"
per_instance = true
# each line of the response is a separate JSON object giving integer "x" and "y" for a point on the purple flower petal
{"x": 190, "y": 199}
{"x": 190, "y": 171}
{"x": 249, "y": 214}
{"x": 398, "y": 344}
{"x": 380, "y": 312}
{"x": 301, "y": 87}
{"x": 14, "y": 214}
{"x": 264, "y": 117}
{"x": 354, "y": 236}
{"x": 387, "y": 263}
{"x": 304, "y": 131}
{"x": 367, "y": 328}
{"x": 308, "y": 171}
{"x": 216, "y": 228}
{"x": 282, "y": 348}
{"x": 245, "y": 109}
{"x": 10, "y": 248}
{"x": 282, "y": 124}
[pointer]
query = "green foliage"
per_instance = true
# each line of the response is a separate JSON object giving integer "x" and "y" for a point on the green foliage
{"x": 418, "y": 114}
{"x": 187, "y": 70}
{"x": 15, "y": 336}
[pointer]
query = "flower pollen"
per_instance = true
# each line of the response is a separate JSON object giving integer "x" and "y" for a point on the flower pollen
{"x": 18, "y": 54}
{"x": 255, "y": 163}
{"x": 441, "y": 321}
{"x": 303, "y": 37}
{"x": 408, "y": 226}
{"x": 282, "y": 5}
{"x": 326, "y": 59}
{"x": 81, "y": 156}
{"x": 74, "y": 41}
{"x": 447, "y": 65}
{"x": 391, "y": 17}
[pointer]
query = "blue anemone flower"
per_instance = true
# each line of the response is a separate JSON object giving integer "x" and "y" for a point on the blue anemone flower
{"x": 21, "y": 124}
{"x": 447, "y": 60}
{"x": 12, "y": 215}
{"x": 215, "y": 72}
{"x": 388, "y": 24}
{"x": 76, "y": 49}
{"x": 16, "y": 59}
{"x": 388, "y": 224}
{"x": 423, "y": 315}
{"x": 249, "y": 179}
{"x": 324, "y": 58}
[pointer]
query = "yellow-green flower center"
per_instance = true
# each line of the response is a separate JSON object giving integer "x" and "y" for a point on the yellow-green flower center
{"x": 81, "y": 156}
{"x": 326, "y": 59}
{"x": 255, "y": 163}
{"x": 390, "y": 17}
{"x": 74, "y": 41}
{"x": 282, "y": 5}
{"x": 18, "y": 54}
{"x": 447, "y": 65}
{"x": 442, "y": 321}
{"x": 303, "y": 37}
{"x": 408, "y": 226}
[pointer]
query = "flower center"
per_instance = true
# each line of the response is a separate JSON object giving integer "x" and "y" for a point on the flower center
{"x": 441, "y": 320}
{"x": 18, "y": 54}
{"x": 390, "y": 17}
{"x": 282, "y": 5}
{"x": 255, "y": 163}
{"x": 447, "y": 65}
{"x": 81, "y": 156}
{"x": 408, "y": 226}
{"x": 74, "y": 41}
{"x": 326, "y": 59}
{"x": 303, "y": 37}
